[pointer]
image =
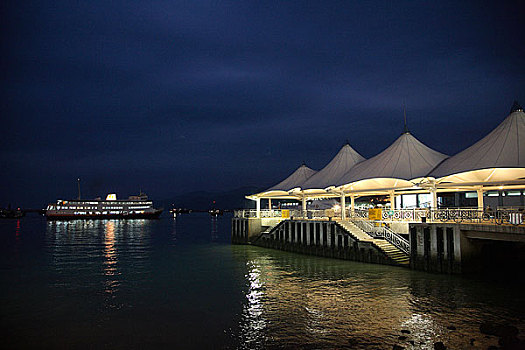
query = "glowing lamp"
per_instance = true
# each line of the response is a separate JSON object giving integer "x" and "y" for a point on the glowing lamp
{"x": 111, "y": 197}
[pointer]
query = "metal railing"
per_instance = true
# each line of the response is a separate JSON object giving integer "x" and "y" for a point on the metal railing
{"x": 498, "y": 216}
{"x": 359, "y": 213}
{"x": 456, "y": 215}
{"x": 384, "y": 233}
{"x": 411, "y": 215}
{"x": 252, "y": 213}
{"x": 278, "y": 213}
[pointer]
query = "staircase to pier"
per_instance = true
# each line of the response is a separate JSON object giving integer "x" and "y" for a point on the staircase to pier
{"x": 394, "y": 253}
{"x": 268, "y": 231}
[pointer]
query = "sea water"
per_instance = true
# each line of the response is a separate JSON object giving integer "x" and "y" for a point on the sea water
{"x": 178, "y": 283}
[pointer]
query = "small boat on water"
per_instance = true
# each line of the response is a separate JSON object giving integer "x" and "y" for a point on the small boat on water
{"x": 216, "y": 212}
{"x": 11, "y": 213}
{"x": 135, "y": 207}
{"x": 180, "y": 211}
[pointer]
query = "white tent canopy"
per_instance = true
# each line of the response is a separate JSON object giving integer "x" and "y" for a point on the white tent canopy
{"x": 283, "y": 189}
{"x": 343, "y": 161}
{"x": 405, "y": 159}
{"x": 497, "y": 161}
{"x": 296, "y": 179}
{"x": 498, "y": 157}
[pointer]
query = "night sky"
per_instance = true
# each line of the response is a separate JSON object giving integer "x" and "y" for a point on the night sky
{"x": 177, "y": 96}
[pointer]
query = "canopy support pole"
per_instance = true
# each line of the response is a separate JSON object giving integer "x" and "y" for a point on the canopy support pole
{"x": 304, "y": 207}
{"x": 343, "y": 207}
{"x": 270, "y": 204}
{"x": 480, "y": 198}
{"x": 352, "y": 205}
{"x": 392, "y": 200}
{"x": 433, "y": 199}
{"x": 258, "y": 207}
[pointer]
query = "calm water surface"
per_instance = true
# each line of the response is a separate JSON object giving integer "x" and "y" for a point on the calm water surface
{"x": 179, "y": 283}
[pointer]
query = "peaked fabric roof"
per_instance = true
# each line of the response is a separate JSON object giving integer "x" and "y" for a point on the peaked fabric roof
{"x": 343, "y": 161}
{"x": 407, "y": 158}
{"x": 504, "y": 147}
{"x": 296, "y": 179}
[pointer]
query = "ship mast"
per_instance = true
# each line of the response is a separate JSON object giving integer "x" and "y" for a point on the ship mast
{"x": 78, "y": 183}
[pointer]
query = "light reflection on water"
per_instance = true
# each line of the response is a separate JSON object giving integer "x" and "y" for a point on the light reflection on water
{"x": 173, "y": 238}
{"x": 300, "y": 301}
{"x": 110, "y": 263}
{"x": 253, "y": 324}
{"x": 214, "y": 227}
{"x": 83, "y": 247}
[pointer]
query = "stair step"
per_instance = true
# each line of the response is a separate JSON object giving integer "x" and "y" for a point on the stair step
{"x": 398, "y": 258}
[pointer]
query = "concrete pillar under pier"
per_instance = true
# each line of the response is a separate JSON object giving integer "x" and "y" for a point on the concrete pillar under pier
{"x": 308, "y": 234}
{"x": 332, "y": 240}
{"x": 465, "y": 248}
{"x": 245, "y": 229}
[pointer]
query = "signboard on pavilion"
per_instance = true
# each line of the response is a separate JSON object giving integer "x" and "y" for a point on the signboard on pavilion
{"x": 374, "y": 214}
{"x": 285, "y": 213}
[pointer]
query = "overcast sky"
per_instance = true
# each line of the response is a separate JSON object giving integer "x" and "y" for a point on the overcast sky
{"x": 176, "y": 96}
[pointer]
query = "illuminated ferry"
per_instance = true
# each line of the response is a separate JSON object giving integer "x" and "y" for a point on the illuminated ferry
{"x": 135, "y": 207}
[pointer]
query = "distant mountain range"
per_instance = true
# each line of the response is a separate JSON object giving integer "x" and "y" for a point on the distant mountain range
{"x": 204, "y": 200}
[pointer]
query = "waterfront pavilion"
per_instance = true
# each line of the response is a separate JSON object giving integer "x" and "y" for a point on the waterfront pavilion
{"x": 350, "y": 174}
{"x": 408, "y": 167}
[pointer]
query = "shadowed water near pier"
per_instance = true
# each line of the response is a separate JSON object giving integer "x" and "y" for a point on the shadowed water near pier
{"x": 178, "y": 283}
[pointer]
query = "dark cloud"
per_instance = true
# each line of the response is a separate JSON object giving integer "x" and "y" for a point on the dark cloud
{"x": 174, "y": 96}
